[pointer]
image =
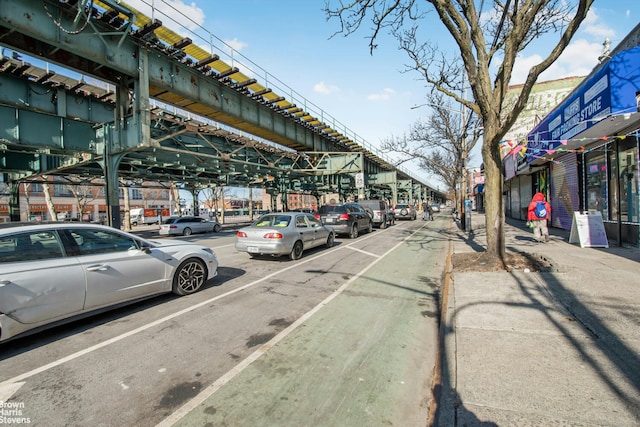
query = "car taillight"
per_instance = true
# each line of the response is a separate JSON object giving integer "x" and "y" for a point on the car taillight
{"x": 173, "y": 226}
{"x": 241, "y": 234}
{"x": 344, "y": 217}
{"x": 273, "y": 236}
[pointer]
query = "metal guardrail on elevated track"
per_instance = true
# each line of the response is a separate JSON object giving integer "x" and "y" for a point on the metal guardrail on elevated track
{"x": 144, "y": 60}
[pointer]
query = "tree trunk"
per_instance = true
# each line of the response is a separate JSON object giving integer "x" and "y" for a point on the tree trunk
{"x": 127, "y": 210}
{"x": 175, "y": 191}
{"x": 26, "y": 198}
{"x": 494, "y": 202}
{"x": 47, "y": 198}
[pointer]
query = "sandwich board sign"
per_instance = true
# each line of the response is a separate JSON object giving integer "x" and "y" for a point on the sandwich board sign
{"x": 588, "y": 229}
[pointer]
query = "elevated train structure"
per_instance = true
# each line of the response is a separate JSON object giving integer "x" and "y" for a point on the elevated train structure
{"x": 174, "y": 113}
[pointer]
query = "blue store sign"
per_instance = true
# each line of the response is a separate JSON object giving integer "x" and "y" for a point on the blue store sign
{"x": 610, "y": 91}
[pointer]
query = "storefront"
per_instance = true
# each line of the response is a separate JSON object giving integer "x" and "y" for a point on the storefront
{"x": 590, "y": 145}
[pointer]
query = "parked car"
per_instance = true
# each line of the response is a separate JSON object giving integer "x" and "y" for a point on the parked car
{"x": 435, "y": 207}
{"x": 346, "y": 218}
{"x": 285, "y": 233}
{"x": 187, "y": 225}
{"x": 405, "y": 211}
{"x": 56, "y": 272}
{"x": 379, "y": 211}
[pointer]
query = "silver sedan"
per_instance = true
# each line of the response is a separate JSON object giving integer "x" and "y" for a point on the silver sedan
{"x": 187, "y": 225}
{"x": 50, "y": 273}
{"x": 285, "y": 233}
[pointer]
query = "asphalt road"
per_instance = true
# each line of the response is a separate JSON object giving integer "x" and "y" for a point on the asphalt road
{"x": 341, "y": 336}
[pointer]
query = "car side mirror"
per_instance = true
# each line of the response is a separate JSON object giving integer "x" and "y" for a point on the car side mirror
{"x": 145, "y": 248}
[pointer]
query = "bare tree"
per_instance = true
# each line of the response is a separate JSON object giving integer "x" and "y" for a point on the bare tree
{"x": 441, "y": 143}
{"x": 213, "y": 199}
{"x": 495, "y": 34}
{"x": 83, "y": 195}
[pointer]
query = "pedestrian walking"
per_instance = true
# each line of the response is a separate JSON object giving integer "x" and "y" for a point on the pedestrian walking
{"x": 425, "y": 211}
{"x": 538, "y": 214}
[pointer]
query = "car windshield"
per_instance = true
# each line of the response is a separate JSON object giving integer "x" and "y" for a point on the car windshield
{"x": 273, "y": 221}
{"x": 169, "y": 220}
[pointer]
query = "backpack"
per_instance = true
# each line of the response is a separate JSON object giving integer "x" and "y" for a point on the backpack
{"x": 541, "y": 210}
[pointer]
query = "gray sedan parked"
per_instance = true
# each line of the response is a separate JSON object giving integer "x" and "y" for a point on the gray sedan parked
{"x": 285, "y": 233}
{"x": 187, "y": 225}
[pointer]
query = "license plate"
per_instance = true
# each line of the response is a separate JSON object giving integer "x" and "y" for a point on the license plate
{"x": 253, "y": 249}
{"x": 328, "y": 220}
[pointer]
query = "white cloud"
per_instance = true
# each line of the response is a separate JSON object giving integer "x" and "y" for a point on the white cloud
{"x": 236, "y": 44}
{"x": 325, "y": 89}
{"x": 593, "y": 26}
{"x": 578, "y": 59}
{"x": 383, "y": 95}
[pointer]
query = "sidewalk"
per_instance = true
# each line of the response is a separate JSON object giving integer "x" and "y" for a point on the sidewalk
{"x": 556, "y": 348}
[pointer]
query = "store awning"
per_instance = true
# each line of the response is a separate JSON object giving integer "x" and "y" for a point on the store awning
{"x": 603, "y": 107}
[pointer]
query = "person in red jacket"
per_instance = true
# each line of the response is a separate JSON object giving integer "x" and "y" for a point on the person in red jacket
{"x": 538, "y": 213}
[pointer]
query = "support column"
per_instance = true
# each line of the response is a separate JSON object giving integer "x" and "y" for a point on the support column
{"x": 112, "y": 192}
{"x": 142, "y": 109}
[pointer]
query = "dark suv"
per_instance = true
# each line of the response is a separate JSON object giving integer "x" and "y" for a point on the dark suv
{"x": 379, "y": 211}
{"x": 346, "y": 218}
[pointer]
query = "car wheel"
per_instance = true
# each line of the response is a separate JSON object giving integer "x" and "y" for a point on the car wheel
{"x": 330, "y": 240}
{"x": 217, "y": 228}
{"x": 186, "y": 232}
{"x": 296, "y": 252}
{"x": 354, "y": 231}
{"x": 189, "y": 277}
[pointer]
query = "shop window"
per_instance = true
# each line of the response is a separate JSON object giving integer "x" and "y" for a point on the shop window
{"x": 596, "y": 183}
{"x": 628, "y": 176}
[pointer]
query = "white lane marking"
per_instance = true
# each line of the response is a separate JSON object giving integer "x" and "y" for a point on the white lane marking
{"x": 8, "y": 390}
{"x": 223, "y": 246}
{"x": 361, "y": 251}
{"x": 209, "y": 391}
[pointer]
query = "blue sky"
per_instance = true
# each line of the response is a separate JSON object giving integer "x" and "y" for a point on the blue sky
{"x": 368, "y": 94}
